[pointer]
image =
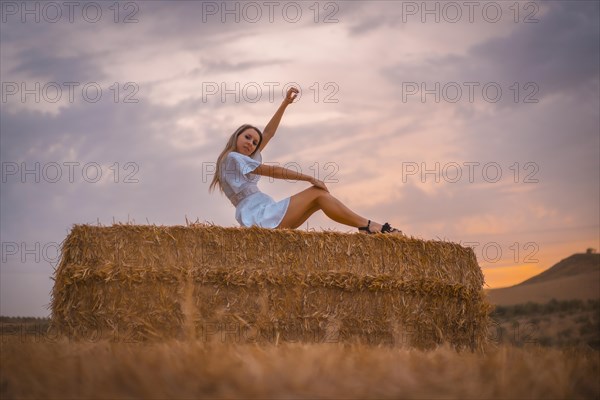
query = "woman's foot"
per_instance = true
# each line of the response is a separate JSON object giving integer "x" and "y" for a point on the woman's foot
{"x": 374, "y": 227}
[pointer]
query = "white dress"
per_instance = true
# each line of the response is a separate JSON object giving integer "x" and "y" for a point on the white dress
{"x": 252, "y": 207}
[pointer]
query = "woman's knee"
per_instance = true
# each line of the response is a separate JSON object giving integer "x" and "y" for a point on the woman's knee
{"x": 321, "y": 196}
{"x": 313, "y": 197}
{"x": 310, "y": 195}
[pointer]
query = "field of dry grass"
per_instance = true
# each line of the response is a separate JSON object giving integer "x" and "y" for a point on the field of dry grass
{"x": 554, "y": 324}
{"x": 535, "y": 351}
{"x": 38, "y": 369}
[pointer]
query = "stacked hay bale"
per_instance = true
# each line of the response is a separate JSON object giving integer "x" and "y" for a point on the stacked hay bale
{"x": 262, "y": 285}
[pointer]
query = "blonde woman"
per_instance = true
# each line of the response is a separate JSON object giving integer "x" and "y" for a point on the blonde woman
{"x": 239, "y": 168}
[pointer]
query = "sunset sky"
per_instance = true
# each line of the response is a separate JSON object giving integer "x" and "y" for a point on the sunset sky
{"x": 472, "y": 122}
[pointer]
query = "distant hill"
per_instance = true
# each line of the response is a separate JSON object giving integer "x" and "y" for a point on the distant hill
{"x": 575, "y": 278}
{"x": 570, "y": 266}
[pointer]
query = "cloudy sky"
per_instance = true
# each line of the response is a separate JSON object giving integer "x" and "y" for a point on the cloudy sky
{"x": 474, "y": 122}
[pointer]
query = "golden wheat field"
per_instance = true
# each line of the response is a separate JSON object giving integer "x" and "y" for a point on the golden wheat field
{"x": 146, "y": 312}
{"x": 64, "y": 369}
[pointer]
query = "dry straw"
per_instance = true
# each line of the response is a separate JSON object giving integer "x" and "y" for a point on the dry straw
{"x": 255, "y": 285}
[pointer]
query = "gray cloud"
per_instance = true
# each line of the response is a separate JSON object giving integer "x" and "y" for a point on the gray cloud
{"x": 44, "y": 63}
{"x": 561, "y": 52}
{"x": 558, "y": 54}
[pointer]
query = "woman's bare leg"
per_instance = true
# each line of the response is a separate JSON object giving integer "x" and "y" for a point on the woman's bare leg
{"x": 304, "y": 216}
{"x": 304, "y": 204}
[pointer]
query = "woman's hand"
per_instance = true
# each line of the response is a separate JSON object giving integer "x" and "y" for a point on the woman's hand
{"x": 291, "y": 95}
{"x": 319, "y": 184}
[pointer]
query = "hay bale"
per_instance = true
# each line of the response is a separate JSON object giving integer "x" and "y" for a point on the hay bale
{"x": 257, "y": 285}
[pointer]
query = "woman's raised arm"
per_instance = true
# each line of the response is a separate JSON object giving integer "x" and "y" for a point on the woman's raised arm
{"x": 271, "y": 127}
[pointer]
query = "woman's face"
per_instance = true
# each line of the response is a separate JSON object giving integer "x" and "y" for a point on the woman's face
{"x": 247, "y": 141}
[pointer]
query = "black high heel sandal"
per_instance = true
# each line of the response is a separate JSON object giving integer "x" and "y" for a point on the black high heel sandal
{"x": 366, "y": 228}
{"x": 386, "y": 228}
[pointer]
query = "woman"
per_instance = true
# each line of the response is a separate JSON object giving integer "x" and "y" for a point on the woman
{"x": 238, "y": 170}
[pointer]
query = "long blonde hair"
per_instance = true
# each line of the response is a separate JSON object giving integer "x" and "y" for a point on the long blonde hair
{"x": 229, "y": 147}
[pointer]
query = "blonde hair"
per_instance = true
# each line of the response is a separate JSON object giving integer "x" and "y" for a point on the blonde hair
{"x": 229, "y": 147}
